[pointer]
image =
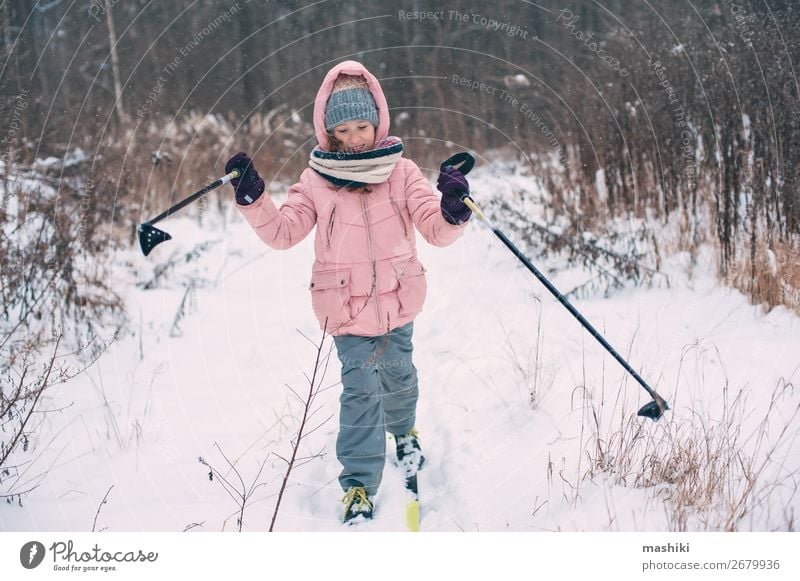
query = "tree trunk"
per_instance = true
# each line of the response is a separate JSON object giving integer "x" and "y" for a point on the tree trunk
{"x": 112, "y": 41}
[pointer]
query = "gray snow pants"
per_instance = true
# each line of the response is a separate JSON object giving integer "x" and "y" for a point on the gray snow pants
{"x": 379, "y": 395}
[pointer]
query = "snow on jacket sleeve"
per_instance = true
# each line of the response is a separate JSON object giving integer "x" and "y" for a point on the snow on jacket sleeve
{"x": 426, "y": 213}
{"x": 283, "y": 227}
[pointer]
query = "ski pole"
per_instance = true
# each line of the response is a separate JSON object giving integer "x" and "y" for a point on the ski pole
{"x": 464, "y": 162}
{"x": 150, "y": 236}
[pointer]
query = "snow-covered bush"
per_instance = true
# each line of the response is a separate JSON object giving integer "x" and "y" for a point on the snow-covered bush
{"x": 57, "y": 312}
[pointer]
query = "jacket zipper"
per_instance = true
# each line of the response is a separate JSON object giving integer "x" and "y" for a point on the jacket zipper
{"x": 400, "y": 217}
{"x": 330, "y": 226}
{"x": 372, "y": 259}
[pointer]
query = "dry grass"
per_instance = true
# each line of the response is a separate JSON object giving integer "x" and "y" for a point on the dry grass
{"x": 764, "y": 265}
{"x": 146, "y": 167}
{"x": 724, "y": 470}
{"x": 769, "y": 274}
{"x": 526, "y": 362}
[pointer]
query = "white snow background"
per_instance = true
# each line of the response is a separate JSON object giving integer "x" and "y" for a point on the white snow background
{"x": 162, "y": 396}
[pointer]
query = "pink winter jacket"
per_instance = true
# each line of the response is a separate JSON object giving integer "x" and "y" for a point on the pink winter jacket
{"x": 366, "y": 278}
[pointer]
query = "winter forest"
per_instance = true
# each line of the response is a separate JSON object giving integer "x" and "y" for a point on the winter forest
{"x": 643, "y": 155}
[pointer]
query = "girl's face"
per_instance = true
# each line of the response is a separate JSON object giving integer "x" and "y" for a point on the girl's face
{"x": 355, "y": 136}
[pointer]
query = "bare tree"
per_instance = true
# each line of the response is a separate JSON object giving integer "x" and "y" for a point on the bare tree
{"x": 112, "y": 41}
{"x": 314, "y": 388}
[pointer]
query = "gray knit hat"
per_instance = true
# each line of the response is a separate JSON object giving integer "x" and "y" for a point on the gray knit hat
{"x": 350, "y": 100}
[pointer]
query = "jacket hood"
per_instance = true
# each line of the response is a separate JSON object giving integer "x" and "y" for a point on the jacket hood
{"x": 349, "y": 68}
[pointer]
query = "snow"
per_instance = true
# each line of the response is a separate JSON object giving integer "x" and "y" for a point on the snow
{"x": 489, "y": 343}
{"x": 746, "y": 126}
{"x": 772, "y": 262}
{"x": 516, "y": 81}
{"x": 71, "y": 159}
{"x": 600, "y": 184}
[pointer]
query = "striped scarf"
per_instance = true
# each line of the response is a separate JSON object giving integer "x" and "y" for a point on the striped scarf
{"x": 358, "y": 169}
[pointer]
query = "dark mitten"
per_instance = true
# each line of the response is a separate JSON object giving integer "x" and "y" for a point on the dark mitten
{"x": 249, "y": 186}
{"x": 453, "y": 185}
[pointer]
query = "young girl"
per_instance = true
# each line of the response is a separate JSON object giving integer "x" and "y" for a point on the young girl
{"x": 367, "y": 285}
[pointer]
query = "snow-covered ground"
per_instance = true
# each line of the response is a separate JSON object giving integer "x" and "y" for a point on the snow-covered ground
{"x": 490, "y": 335}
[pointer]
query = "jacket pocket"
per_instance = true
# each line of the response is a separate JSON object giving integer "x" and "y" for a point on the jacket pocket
{"x": 411, "y": 286}
{"x": 330, "y": 297}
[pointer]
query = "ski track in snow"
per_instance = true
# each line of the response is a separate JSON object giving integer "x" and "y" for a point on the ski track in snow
{"x": 140, "y": 423}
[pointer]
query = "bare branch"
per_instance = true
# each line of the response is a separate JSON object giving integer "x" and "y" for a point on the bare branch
{"x": 193, "y": 525}
{"x": 99, "y": 506}
{"x": 297, "y": 395}
{"x": 241, "y": 496}
{"x": 282, "y": 458}
{"x": 39, "y": 392}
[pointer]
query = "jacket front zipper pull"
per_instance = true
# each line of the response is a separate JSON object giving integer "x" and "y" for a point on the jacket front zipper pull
{"x": 400, "y": 217}
{"x": 330, "y": 226}
{"x": 372, "y": 260}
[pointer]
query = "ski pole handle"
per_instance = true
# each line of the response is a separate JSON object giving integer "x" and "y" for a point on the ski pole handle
{"x": 231, "y": 176}
{"x": 477, "y": 212}
{"x": 471, "y": 205}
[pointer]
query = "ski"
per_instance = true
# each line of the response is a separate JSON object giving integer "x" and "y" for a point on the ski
{"x": 412, "y": 502}
{"x": 409, "y": 458}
